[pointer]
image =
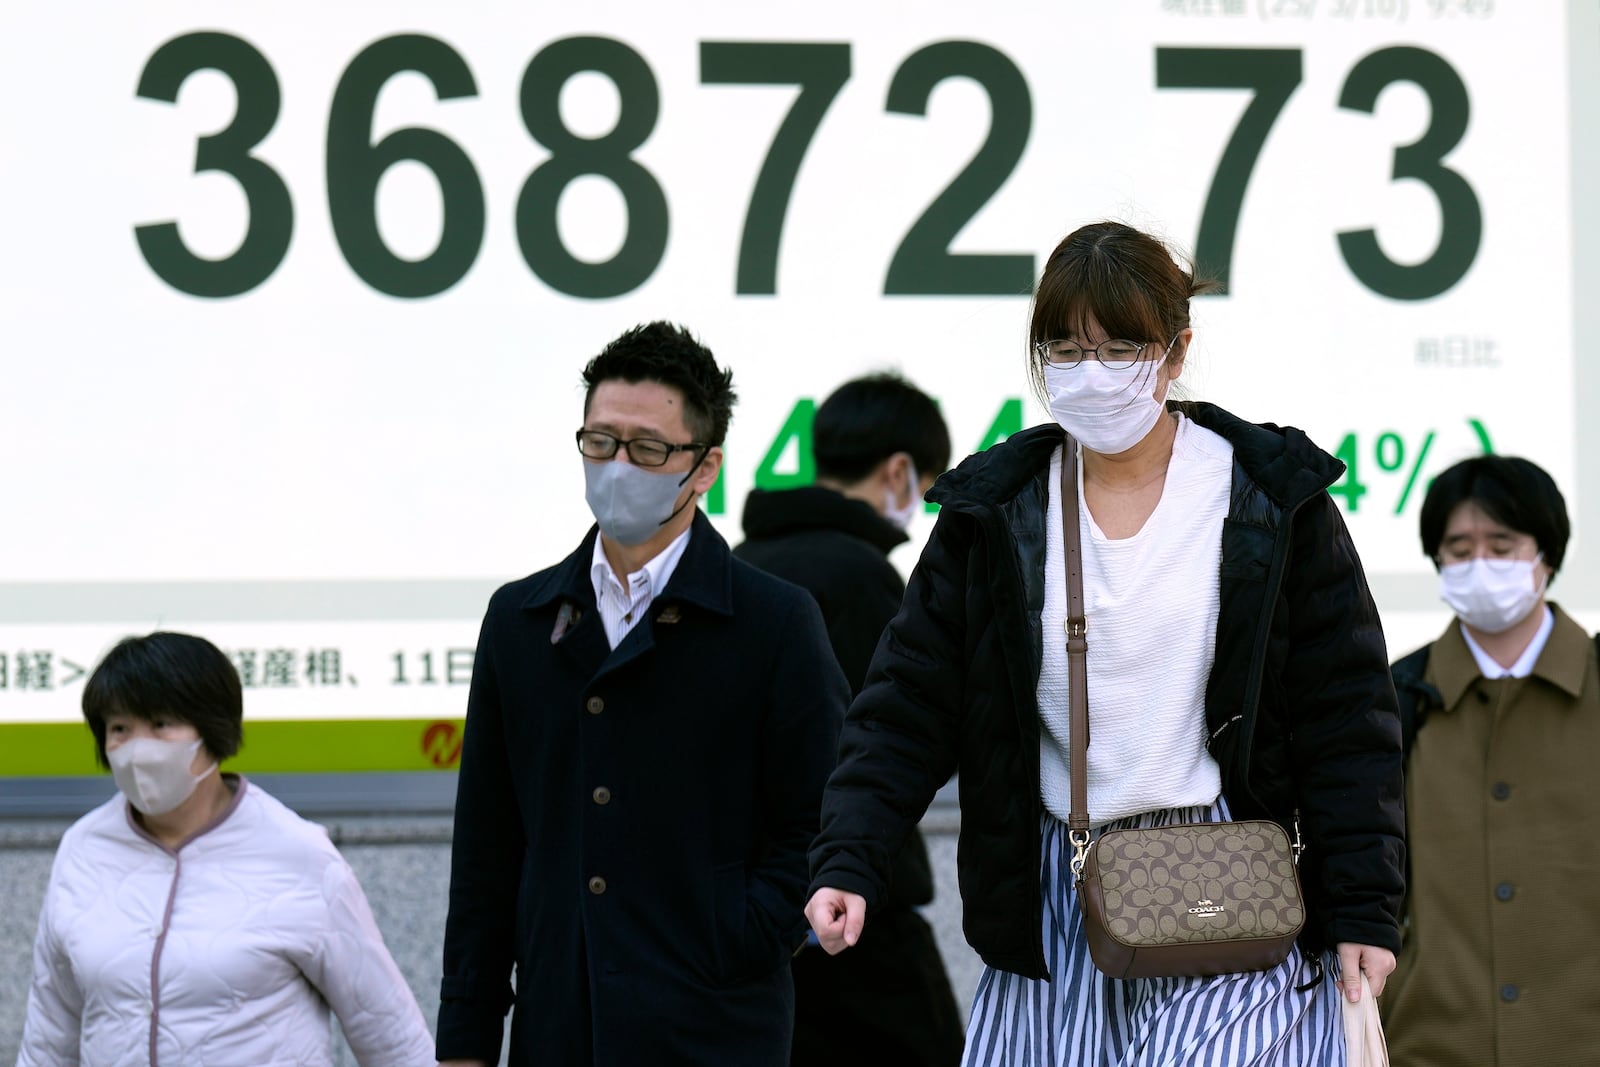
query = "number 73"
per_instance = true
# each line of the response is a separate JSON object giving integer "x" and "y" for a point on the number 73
{"x": 1273, "y": 74}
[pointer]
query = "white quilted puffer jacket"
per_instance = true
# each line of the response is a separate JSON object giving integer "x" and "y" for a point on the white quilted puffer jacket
{"x": 226, "y": 953}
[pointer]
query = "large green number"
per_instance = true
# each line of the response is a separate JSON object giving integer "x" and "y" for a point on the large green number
{"x": 924, "y": 264}
{"x": 1351, "y": 487}
{"x": 796, "y": 428}
{"x": 1273, "y": 74}
{"x": 270, "y": 218}
{"x": 355, "y": 165}
{"x": 820, "y": 70}
{"x": 1007, "y": 421}
{"x": 717, "y": 495}
{"x": 609, "y": 156}
{"x": 1460, "y": 216}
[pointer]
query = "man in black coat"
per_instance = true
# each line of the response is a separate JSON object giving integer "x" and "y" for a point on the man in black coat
{"x": 648, "y": 732}
{"x": 878, "y": 443}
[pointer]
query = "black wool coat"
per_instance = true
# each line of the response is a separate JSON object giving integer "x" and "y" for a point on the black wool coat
{"x": 1300, "y": 709}
{"x": 837, "y": 549}
{"x": 631, "y": 824}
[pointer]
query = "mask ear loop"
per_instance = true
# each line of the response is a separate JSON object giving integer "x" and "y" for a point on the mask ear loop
{"x": 911, "y": 478}
{"x": 1544, "y": 585}
{"x": 1160, "y": 364}
{"x": 704, "y": 452}
{"x": 1155, "y": 365}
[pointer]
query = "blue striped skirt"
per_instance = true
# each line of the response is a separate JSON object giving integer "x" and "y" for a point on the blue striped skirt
{"x": 1080, "y": 1018}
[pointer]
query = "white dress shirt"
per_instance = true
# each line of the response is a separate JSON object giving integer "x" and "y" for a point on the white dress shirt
{"x": 621, "y": 607}
{"x": 1530, "y": 655}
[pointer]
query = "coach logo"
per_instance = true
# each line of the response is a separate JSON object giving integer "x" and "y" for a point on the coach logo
{"x": 1205, "y": 907}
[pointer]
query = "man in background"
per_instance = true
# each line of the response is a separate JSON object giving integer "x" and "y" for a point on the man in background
{"x": 1500, "y": 717}
{"x": 878, "y": 443}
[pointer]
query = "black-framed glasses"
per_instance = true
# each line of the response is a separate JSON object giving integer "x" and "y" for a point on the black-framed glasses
{"x": 642, "y": 451}
{"x": 1116, "y": 354}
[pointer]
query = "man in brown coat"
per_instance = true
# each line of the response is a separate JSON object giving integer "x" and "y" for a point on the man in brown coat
{"x": 1503, "y": 907}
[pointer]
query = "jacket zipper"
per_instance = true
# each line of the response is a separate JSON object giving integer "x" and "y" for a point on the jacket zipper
{"x": 1258, "y": 655}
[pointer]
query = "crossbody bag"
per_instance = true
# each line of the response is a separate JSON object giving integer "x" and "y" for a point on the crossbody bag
{"x": 1166, "y": 901}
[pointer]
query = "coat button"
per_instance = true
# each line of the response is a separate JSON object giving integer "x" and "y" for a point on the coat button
{"x": 1508, "y": 992}
{"x": 597, "y": 885}
{"x": 1500, "y": 790}
{"x": 602, "y": 795}
{"x": 594, "y": 706}
{"x": 1504, "y": 891}
{"x": 1483, "y": 698}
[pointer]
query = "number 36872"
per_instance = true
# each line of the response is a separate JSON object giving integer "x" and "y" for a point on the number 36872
{"x": 922, "y": 263}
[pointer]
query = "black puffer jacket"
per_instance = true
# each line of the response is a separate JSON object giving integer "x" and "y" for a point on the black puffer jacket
{"x": 1300, "y": 708}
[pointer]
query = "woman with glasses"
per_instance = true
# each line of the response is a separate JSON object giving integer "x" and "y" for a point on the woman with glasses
{"x": 1501, "y": 719}
{"x": 1236, "y": 669}
{"x": 193, "y": 919}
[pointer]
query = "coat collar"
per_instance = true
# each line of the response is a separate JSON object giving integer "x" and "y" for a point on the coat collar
{"x": 703, "y": 577}
{"x": 1281, "y": 460}
{"x": 1563, "y": 662}
{"x": 775, "y": 513}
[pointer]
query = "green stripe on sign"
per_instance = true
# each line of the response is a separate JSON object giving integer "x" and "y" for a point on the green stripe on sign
{"x": 49, "y": 750}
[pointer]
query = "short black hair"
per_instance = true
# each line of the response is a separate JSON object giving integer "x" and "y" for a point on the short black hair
{"x": 867, "y": 420}
{"x": 1515, "y": 492}
{"x": 662, "y": 352}
{"x": 166, "y": 673}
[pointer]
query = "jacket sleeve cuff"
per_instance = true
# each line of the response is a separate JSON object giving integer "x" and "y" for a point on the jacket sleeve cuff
{"x": 1360, "y": 932}
{"x": 838, "y": 878}
{"x": 470, "y": 1028}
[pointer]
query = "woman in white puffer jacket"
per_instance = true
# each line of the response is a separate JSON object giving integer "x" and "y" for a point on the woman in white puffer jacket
{"x": 193, "y": 920}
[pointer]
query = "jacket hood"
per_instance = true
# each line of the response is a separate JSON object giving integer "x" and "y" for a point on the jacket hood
{"x": 777, "y": 513}
{"x": 1282, "y": 460}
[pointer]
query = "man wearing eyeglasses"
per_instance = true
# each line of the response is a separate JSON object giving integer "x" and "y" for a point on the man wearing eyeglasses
{"x": 649, "y": 729}
{"x": 1501, "y": 716}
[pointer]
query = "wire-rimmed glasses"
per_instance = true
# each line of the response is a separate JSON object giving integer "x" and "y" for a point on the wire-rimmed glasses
{"x": 1116, "y": 354}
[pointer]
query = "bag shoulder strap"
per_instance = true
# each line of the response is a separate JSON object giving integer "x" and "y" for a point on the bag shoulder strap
{"x": 1414, "y": 696}
{"x": 1077, "y": 644}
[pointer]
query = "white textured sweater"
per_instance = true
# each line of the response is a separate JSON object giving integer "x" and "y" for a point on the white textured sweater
{"x": 1151, "y": 601}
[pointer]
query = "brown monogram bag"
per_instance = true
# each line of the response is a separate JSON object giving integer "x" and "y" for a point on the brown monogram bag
{"x": 1168, "y": 901}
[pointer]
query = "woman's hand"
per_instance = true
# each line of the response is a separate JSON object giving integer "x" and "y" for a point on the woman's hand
{"x": 1354, "y": 959}
{"x": 837, "y": 917}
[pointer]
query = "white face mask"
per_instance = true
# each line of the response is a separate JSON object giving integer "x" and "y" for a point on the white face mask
{"x": 1108, "y": 411}
{"x": 154, "y": 774}
{"x": 902, "y": 516}
{"x": 1491, "y": 599}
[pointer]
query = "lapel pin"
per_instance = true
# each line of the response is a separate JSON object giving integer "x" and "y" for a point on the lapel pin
{"x": 569, "y": 614}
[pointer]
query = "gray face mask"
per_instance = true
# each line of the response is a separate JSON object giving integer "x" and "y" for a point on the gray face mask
{"x": 631, "y": 504}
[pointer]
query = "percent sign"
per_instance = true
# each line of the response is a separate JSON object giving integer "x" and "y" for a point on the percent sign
{"x": 1389, "y": 452}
